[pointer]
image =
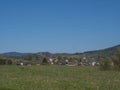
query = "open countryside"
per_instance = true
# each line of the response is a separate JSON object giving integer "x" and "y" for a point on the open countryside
{"x": 57, "y": 78}
{"x": 59, "y": 44}
{"x": 48, "y": 74}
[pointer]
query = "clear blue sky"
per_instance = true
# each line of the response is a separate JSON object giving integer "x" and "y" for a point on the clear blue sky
{"x": 58, "y": 25}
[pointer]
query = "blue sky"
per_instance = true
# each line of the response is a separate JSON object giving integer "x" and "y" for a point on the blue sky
{"x": 58, "y": 25}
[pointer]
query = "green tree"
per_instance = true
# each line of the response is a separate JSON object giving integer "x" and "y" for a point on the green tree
{"x": 112, "y": 63}
{"x": 9, "y": 62}
{"x": 45, "y": 61}
{"x": 105, "y": 64}
{"x": 116, "y": 60}
{"x": 2, "y": 61}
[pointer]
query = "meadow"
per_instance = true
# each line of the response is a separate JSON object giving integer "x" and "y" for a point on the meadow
{"x": 46, "y": 77}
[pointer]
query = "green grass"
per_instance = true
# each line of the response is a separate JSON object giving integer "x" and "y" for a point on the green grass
{"x": 57, "y": 78}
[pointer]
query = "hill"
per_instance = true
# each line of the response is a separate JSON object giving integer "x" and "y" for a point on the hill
{"x": 108, "y": 52}
{"x": 104, "y": 53}
{"x": 15, "y": 54}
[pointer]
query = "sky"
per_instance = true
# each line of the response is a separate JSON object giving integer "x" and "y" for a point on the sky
{"x": 67, "y": 26}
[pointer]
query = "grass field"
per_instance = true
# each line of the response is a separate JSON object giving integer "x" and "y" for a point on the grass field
{"x": 57, "y": 78}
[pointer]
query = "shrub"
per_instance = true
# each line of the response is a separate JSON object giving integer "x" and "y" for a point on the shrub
{"x": 112, "y": 63}
{"x": 105, "y": 65}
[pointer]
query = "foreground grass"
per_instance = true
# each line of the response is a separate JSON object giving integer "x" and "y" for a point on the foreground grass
{"x": 57, "y": 78}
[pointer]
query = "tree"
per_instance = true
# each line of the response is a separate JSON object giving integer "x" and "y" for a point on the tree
{"x": 105, "y": 64}
{"x": 112, "y": 63}
{"x": 9, "y": 62}
{"x": 116, "y": 60}
{"x": 2, "y": 61}
{"x": 45, "y": 61}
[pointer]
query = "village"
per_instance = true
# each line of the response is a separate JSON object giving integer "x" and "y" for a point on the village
{"x": 67, "y": 62}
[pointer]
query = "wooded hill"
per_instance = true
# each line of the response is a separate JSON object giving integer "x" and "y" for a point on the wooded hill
{"x": 96, "y": 55}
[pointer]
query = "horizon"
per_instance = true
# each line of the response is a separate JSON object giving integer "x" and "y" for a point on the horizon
{"x": 66, "y": 26}
{"x": 60, "y": 52}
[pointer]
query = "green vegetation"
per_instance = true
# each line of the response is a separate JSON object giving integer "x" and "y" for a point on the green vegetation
{"x": 44, "y": 61}
{"x": 59, "y": 58}
{"x": 50, "y": 77}
{"x": 112, "y": 63}
{"x": 6, "y": 61}
{"x": 33, "y": 76}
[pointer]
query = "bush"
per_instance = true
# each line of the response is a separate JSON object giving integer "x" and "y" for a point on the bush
{"x": 116, "y": 61}
{"x": 5, "y": 62}
{"x": 105, "y": 65}
{"x": 2, "y": 61}
{"x": 9, "y": 62}
{"x": 112, "y": 63}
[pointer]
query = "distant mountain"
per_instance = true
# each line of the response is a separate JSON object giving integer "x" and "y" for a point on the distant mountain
{"x": 15, "y": 54}
{"x": 104, "y": 53}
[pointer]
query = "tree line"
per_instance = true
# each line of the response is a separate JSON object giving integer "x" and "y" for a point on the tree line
{"x": 6, "y": 61}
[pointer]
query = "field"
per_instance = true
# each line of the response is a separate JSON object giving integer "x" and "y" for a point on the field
{"x": 57, "y": 78}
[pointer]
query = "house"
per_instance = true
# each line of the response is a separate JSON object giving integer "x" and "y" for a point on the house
{"x": 21, "y": 64}
{"x": 51, "y": 61}
{"x": 84, "y": 61}
{"x": 93, "y": 63}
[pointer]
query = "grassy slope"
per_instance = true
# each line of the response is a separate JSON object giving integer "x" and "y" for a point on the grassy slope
{"x": 57, "y": 78}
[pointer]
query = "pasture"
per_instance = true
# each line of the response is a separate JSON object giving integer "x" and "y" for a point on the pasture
{"x": 57, "y": 78}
